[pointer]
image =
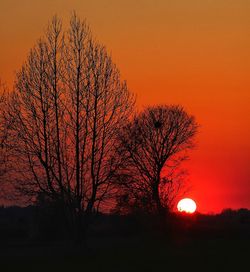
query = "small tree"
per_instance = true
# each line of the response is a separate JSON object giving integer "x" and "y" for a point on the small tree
{"x": 153, "y": 145}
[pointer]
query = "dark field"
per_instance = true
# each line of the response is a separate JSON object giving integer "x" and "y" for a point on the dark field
{"x": 196, "y": 243}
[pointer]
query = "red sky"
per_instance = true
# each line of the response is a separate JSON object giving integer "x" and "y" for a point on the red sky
{"x": 194, "y": 53}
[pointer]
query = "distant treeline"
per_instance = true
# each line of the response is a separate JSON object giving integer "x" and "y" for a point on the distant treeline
{"x": 34, "y": 224}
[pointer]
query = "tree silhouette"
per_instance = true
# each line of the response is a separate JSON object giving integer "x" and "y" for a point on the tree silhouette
{"x": 153, "y": 145}
{"x": 68, "y": 104}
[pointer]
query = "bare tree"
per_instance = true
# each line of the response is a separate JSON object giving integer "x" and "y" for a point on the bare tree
{"x": 99, "y": 104}
{"x": 68, "y": 105}
{"x": 153, "y": 146}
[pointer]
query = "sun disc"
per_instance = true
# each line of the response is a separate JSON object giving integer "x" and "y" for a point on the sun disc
{"x": 186, "y": 205}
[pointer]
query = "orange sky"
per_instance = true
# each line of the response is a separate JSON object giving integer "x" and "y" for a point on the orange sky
{"x": 192, "y": 52}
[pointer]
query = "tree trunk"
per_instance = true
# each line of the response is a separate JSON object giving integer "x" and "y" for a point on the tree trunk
{"x": 157, "y": 201}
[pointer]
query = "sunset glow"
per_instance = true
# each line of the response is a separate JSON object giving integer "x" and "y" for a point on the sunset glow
{"x": 124, "y": 135}
{"x": 192, "y": 53}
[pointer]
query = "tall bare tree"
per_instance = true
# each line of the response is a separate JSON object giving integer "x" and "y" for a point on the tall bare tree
{"x": 68, "y": 105}
{"x": 153, "y": 145}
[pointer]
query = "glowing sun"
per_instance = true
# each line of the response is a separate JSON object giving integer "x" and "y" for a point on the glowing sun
{"x": 186, "y": 205}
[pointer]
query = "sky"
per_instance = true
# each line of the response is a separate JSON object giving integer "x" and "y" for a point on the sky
{"x": 189, "y": 52}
